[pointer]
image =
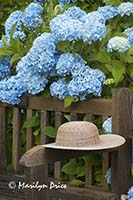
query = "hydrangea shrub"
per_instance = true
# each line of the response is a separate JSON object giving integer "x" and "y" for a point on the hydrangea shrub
{"x": 72, "y": 48}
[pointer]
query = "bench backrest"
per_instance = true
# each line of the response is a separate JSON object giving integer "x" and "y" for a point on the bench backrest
{"x": 119, "y": 107}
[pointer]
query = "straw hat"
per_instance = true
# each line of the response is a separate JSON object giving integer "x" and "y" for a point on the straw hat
{"x": 81, "y": 135}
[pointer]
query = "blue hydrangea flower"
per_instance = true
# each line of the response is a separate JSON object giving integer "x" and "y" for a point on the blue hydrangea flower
{"x": 5, "y": 67}
{"x": 75, "y": 12}
{"x": 64, "y": 2}
{"x": 107, "y": 125}
{"x": 86, "y": 82}
{"x": 130, "y": 39}
{"x": 41, "y": 57}
{"x": 38, "y": 1}
{"x": 119, "y": 44}
{"x": 93, "y": 27}
{"x": 74, "y": 63}
{"x": 125, "y": 8}
{"x": 14, "y": 18}
{"x": 130, "y": 193}
{"x": 129, "y": 32}
{"x": 59, "y": 89}
{"x": 34, "y": 83}
{"x": 36, "y": 66}
{"x": 108, "y": 12}
{"x": 108, "y": 176}
{"x": 11, "y": 90}
{"x": 31, "y": 16}
{"x": 65, "y": 28}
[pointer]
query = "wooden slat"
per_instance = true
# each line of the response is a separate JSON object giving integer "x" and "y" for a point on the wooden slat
{"x": 29, "y": 131}
{"x": 3, "y": 135}
{"x": 122, "y": 125}
{"x": 33, "y": 175}
{"x": 44, "y": 122}
{"x": 74, "y": 117}
{"x": 91, "y": 106}
{"x": 16, "y": 139}
{"x": 88, "y": 166}
{"x": 105, "y": 164}
{"x": 59, "y": 117}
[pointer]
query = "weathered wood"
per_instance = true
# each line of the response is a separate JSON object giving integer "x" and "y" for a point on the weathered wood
{"x": 33, "y": 175}
{"x": 16, "y": 139}
{"x": 88, "y": 166}
{"x": 105, "y": 167}
{"x": 29, "y": 131}
{"x": 91, "y": 106}
{"x": 122, "y": 125}
{"x": 44, "y": 122}
{"x": 105, "y": 164}
{"x": 59, "y": 117}
{"x": 3, "y": 135}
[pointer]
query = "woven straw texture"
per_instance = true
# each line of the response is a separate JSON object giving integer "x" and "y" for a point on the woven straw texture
{"x": 77, "y": 134}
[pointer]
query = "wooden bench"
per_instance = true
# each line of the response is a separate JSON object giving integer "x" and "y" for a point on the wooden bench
{"x": 36, "y": 159}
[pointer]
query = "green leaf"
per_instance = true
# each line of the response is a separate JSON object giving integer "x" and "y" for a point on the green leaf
{"x": 118, "y": 69}
{"x": 80, "y": 171}
{"x": 32, "y": 122}
{"x": 6, "y": 51}
{"x": 70, "y": 168}
{"x": 130, "y": 51}
{"x": 50, "y": 131}
{"x": 109, "y": 81}
{"x": 77, "y": 183}
{"x": 36, "y": 132}
{"x": 16, "y": 57}
{"x": 12, "y": 30}
{"x": 63, "y": 46}
{"x": 94, "y": 160}
{"x": 68, "y": 101}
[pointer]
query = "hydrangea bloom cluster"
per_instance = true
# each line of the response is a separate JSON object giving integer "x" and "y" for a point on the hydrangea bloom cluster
{"x": 12, "y": 89}
{"x": 59, "y": 89}
{"x": 87, "y": 27}
{"x": 43, "y": 61}
{"x": 108, "y": 12}
{"x": 119, "y": 44}
{"x": 86, "y": 81}
{"x": 5, "y": 65}
{"x": 14, "y": 18}
{"x": 107, "y": 125}
{"x": 38, "y": 63}
{"x": 73, "y": 64}
{"x": 130, "y": 193}
{"x": 129, "y": 32}
{"x": 64, "y": 2}
{"x": 125, "y": 8}
{"x": 30, "y": 18}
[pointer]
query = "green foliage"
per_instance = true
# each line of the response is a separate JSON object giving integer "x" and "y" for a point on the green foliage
{"x": 70, "y": 168}
{"x": 50, "y": 131}
{"x": 32, "y": 122}
{"x": 68, "y": 101}
{"x": 77, "y": 183}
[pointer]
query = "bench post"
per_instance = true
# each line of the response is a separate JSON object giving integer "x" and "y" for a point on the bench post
{"x": 37, "y": 176}
{"x": 122, "y": 125}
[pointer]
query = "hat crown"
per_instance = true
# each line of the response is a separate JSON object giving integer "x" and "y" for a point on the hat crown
{"x": 77, "y": 134}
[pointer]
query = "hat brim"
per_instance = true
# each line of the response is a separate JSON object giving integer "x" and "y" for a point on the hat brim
{"x": 109, "y": 141}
